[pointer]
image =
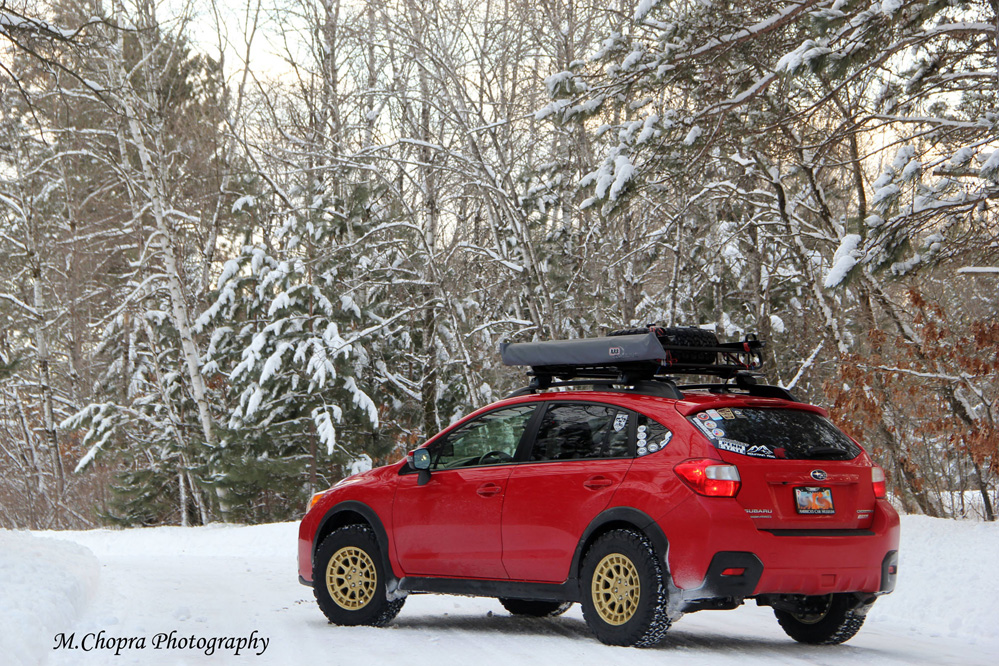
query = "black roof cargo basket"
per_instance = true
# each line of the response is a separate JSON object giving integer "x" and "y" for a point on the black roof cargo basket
{"x": 645, "y": 359}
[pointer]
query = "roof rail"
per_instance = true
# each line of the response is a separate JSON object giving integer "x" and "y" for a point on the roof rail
{"x": 745, "y": 381}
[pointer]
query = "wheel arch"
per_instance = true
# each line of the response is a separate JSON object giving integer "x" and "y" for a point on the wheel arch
{"x": 352, "y": 512}
{"x": 617, "y": 518}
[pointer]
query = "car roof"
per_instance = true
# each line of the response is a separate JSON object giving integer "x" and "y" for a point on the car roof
{"x": 693, "y": 400}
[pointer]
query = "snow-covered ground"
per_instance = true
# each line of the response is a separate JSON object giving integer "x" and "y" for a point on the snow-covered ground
{"x": 228, "y": 582}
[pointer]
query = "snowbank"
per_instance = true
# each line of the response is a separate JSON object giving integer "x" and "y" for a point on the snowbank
{"x": 278, "y": 540}
{"x": 947, "y": 584}
{"x": 44, "y": 586}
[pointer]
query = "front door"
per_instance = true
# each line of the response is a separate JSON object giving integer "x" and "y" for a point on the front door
{"x": 451, "y": 525}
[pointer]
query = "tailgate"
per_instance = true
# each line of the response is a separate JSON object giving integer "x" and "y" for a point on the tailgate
{"x": 798, "y": 470}
{"x": 804, "y": 495}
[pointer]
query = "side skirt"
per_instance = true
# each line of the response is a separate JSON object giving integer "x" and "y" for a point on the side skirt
{"x": 567, "y": 591}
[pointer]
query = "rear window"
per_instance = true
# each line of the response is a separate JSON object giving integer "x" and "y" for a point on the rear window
{"x": 775, "y": 433}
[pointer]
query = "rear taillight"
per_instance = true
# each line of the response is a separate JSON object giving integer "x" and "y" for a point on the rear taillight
{"x": 710, "y": 477}
{"x": 878, "y": 481}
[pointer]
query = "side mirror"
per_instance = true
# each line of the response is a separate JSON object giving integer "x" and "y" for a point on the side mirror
{"x": 420, "y": 460}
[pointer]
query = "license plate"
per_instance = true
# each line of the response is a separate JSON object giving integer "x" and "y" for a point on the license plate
{"x": 813, "y": 500}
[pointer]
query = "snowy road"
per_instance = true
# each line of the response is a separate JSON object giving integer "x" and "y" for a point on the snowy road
{"x": 232, "y": 581}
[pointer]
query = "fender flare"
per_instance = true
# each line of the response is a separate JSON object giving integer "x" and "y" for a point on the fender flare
{"x": 622, "y": 515}
{"x": 381, "y": 535}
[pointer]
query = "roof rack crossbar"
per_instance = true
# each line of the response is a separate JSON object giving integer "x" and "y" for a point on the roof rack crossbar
{"x": 662, "y": 387}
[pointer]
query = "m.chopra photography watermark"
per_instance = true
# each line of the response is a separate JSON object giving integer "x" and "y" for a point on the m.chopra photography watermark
{"x": 254, "y": 643}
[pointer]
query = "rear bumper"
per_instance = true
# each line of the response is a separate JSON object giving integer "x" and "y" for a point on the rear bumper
{"x": 733, "y": 559}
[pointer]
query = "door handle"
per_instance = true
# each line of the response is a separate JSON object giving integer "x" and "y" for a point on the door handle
{"x": 489, "y": 490}
{"x": 597, "y": 482}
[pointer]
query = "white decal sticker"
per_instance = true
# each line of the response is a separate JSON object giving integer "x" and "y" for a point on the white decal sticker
{"x": 760, "y": 452}
{"x": 620, "y": 421}
{"x": 713, "y": 413}
{"x": 729, "y": 445}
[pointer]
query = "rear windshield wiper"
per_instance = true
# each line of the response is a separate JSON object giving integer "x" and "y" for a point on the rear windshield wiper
{"x": 827, "y": 453}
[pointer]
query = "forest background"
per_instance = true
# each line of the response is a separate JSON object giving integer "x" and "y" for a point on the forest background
{"x": 246, "y": 250}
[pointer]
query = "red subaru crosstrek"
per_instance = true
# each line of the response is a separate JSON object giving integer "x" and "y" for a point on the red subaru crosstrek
{"x": 606, "y": 483}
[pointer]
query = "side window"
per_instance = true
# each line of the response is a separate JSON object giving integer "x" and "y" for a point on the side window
{"x": 582, "y": 430}
{"x": 490, "y": 439}
{"x": 652, "y": 436}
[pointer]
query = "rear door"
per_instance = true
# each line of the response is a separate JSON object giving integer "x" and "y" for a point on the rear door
{"x": 799, "y": 472}
{"x": 581, "y": 454}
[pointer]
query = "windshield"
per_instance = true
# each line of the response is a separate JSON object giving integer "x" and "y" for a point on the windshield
{"x": 775, "y": 433}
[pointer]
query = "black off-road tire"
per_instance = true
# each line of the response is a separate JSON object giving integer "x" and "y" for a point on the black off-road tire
{"x": 348, "y": 579}
{"x": 535, "y": 608}
{"x": 834, "y": 619}
{"x": 614, "y": 620}
{"x": 681, "y": 336}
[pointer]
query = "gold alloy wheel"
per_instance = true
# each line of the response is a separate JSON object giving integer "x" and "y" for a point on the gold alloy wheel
{"x": 616, "y": 589}
{"x": 351, "y": 578}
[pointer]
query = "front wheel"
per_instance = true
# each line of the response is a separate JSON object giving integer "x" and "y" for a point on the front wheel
{"x": 825, "y": 620}
{"x": 348, "y": 579}
{"x": 624, "y": 592}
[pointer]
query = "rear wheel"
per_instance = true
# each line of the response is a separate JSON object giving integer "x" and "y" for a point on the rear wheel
{"x": 825, "y": 620}
{"x": 624, "y": 594}
{"x": 533, "y": 608}
{"x": 348, "y": 579}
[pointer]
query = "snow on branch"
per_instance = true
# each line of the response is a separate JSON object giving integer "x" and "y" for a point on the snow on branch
{"x": 769, "y": 24}
{"x": 21, "y": 304}
{"x": 11, "y": 23}
{"x": 978, "y": 270}
{"x": 844, "y": 260}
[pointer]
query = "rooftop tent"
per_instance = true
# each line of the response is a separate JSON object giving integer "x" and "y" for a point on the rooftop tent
{"x": 607, "y": 351}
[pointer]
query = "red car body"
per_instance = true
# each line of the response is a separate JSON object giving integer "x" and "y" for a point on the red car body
{"x": 520, "y": 528}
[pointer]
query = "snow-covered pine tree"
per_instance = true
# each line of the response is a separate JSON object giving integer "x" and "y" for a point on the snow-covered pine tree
{"x": 297, "y": 347}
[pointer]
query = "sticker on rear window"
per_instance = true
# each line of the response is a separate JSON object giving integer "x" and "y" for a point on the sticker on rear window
{"x": 713, "y": 413}
{"x": 726, "y": 413}
{"x": 718, "y": 432}
{"x": 729, "y": 445}
{"x": 760, "y": 452}
{"x": 703, "y": 416}
{"x": 620, "y": 421}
